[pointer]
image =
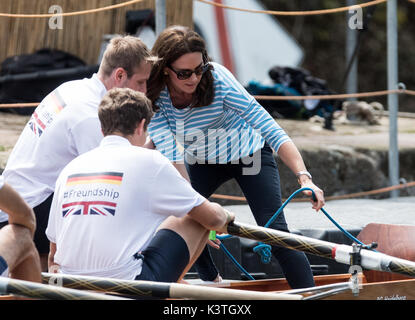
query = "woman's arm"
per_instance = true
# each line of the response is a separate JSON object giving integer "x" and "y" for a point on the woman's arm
{"x": 182, "y": 170}
{"x": 291, "y": 157}
{"x": 178, "y": 165}
{"x": 236, "y": 98}
{"x": 149, "y": 144}
{"x": 161, "y": 137}
{"x": 239, "y": 100}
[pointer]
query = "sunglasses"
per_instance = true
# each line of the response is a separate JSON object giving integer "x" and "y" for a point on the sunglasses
{"x": 186, "y": 74}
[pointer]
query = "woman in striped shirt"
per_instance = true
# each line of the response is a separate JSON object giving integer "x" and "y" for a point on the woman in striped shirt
{"x": 213, "y": 130}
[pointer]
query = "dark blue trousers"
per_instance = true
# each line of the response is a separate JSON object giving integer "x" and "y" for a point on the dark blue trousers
{"x": 263, "y": 194}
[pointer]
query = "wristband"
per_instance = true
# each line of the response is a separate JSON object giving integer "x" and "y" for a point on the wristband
{"x": 305, "y": 173}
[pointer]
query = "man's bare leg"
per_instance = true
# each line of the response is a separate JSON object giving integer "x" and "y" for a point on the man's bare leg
{"x": 193, "y": 233}
{"x": 19, "y": 251}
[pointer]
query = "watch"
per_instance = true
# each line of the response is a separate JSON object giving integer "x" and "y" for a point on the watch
{"x": 306, "y": 173}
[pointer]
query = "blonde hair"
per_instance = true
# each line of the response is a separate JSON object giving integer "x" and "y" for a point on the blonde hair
{"x": 125, "y": 52}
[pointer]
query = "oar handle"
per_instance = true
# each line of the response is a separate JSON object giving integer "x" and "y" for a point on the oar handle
{"x": 339, "y": 252}
{"x": 43, "y": 291}
{"x": 164, "y": 289}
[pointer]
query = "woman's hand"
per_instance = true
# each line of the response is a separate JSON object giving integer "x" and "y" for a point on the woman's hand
{"x": 290, "y": 155}
{"x": 319, "y": 201}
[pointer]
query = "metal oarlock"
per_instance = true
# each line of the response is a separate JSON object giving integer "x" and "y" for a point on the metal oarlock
{"x": 355, "y": 269}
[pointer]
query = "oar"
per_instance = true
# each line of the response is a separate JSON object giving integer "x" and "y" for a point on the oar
{"x": 161, "y": 289}
{"x": 43, "y": 291}
{"x": 341, "y": 253}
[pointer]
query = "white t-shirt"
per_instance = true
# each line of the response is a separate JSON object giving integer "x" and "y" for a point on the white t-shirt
{"x": 1, "y": 181}
{"x": 107, "y": 205}
{"x": 63, "y": 126}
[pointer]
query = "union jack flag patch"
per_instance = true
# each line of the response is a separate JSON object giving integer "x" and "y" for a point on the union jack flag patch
{"x": 36, "y": 125}
{"x": 103, "y": 208}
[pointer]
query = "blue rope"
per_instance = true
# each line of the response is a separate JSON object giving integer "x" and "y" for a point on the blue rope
{"x": 230, "y": 256}
{"x": 264, "y": 250}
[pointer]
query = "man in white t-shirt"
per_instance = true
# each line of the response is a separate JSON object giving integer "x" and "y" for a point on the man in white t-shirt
{"x": 65, "y": 125}
{"x": 124, "y": 211}
{"x": 18, "y": 255}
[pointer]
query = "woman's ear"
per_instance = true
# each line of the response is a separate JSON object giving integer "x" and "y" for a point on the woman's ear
{"x": 165, "y": 71}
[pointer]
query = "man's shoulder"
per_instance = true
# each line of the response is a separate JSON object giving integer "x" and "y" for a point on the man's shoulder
{"x": 147, "y": 154}
{"x": 91, "y": 81}
{"x": 74, "y": 87}
{"x": 81, "y": 161}
{"x": 82, "y": 92}
{"x": 152, "y": 161}
{"x": 129, "y": 154}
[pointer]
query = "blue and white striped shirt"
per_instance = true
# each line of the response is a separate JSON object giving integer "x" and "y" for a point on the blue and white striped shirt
{"x": 234, "y": 126}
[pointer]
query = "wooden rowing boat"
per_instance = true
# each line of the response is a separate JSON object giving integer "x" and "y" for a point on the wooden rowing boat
{"x": 369, "y": 290}
{"x": 395, "y": 240}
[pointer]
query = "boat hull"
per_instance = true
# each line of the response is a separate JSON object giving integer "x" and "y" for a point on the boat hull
{"x": 401, "y": 289}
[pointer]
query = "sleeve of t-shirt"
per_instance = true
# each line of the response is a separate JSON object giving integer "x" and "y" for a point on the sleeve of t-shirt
{"x": 243, "y": 103}
{"x": 1, "y": 182}
{"x": 86, "y": 135}
{"x": 172, "y": 194}
{"x": 163, "y": 138}
{"x": 54, "y": 212}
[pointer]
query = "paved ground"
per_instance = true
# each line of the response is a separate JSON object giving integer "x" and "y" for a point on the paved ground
{"x": 349, "y": 214}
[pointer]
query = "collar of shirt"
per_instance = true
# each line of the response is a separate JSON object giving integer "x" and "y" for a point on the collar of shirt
{"x": 99, "y": 84}
{"x": 114, "y": 140}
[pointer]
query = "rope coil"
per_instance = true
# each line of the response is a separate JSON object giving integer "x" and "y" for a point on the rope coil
{"x": 264, "y": 251}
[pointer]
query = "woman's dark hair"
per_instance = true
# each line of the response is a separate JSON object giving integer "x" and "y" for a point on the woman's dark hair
{"x": 171, "y": 44}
